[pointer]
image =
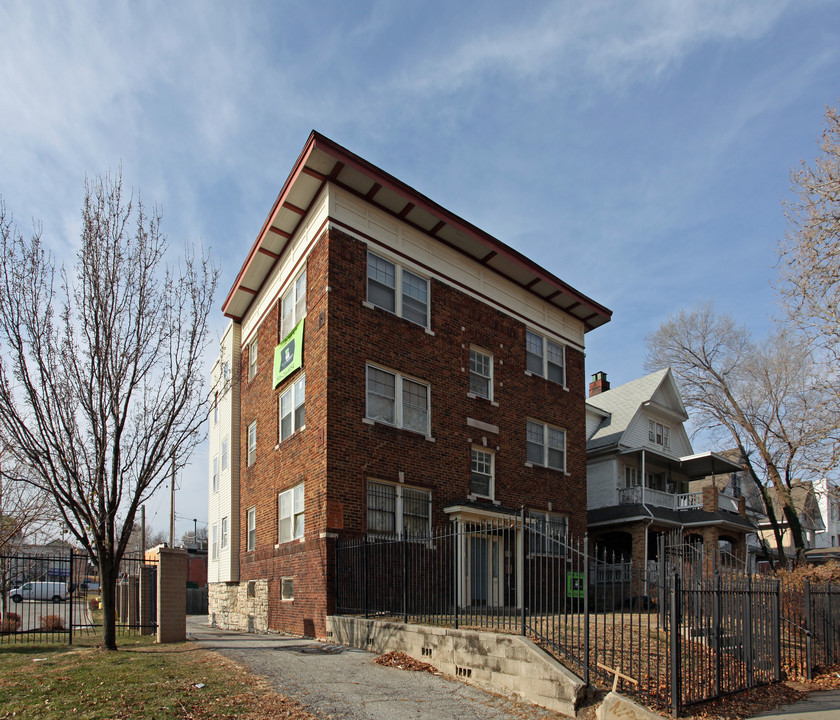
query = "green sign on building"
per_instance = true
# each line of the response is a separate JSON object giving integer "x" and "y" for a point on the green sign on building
{"x": 288, "y": 355}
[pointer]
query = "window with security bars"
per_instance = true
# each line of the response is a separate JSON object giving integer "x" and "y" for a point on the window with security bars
{"x": 481, "y": 374}
{"x": 398, "y": 510}
{"x": 545, "y": 358}
{"x": 397, "y": 290}
{"x": 548, "y": 532}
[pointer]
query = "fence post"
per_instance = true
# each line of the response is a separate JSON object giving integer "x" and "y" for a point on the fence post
{"x": 456, "y": 539}
{"x": 522, "y": 560}
{"x": 365, "y": 574}
{"x": 829, "y": 640}
{"x": 776, "y": 629}
{"x": 807, "y": 621}
{"x": 405, "y": 577}
{"x": 585, "y": 608}
{"x": 716, "y": 631}
{"x": 748, "y": 630}
{"x": 676, "y": 660}
{"x": 75, "y": 590}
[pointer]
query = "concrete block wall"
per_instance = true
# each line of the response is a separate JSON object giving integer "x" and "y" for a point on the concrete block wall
{"x": 172, "y": 595}
{"x": 507, "y": 664}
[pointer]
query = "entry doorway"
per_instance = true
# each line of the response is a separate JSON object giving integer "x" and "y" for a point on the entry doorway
{"x": 484, "y": 571}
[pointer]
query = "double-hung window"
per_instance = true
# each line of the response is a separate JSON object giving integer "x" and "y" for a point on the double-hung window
{"x": 216, "y": 408}
{"x": 547, "y": 534}
{"x": 545, "y": 358}
{"x": 291, "y": 514}
{"x": 398, "y": 510}
{"x": 659, "y": 433}
{"x": 293, "y": 305}
{"x": 252, "y": 529}
{"x": 545, "y": 445}
{"x": 397, "y": 290}
{"x": 214, "y": 542}
{"x": 216, "y": 474}
{"x": 225, "y": 446}
{"x": 252, "y": 359}
{"x": 224, "y": 533}
{"x": 293, "y": 408}
{"x": 397, "y": 400}
{"x": 481, "y": 373}
{"x": 252, "y": 443}
{"x": 481, "y": 482}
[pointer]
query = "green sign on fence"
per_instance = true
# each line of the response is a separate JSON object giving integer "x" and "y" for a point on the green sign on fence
{"x": 574, "y": 584}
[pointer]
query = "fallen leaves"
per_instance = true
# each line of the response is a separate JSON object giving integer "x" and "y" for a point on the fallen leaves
{"x": 405, "y": 662}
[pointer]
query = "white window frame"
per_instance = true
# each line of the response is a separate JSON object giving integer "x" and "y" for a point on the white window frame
{"x": 225, "y": 453}
{"x": 216, "y": 408}
{"x": 252, "y": 444}
{"x": 294, "y": 399}
{"x": 546, "y": 447}
{"x": 224, "y": 539}
{"x": 483, "y": 464}
{"x": 251, "y": 521}
{"x": 548, "y": 519}
{"x": 478, "y": 359}
{"x": 400, "y": 399}
{"x": 295, "y": 499}
{"x": 399, "y": 510}
{"x": 542, "y": 357}
{"x": 215, "y": 481}
{"x": 252, "y": 359}
{"x": 214, "y": 542}
{"x": 402, "y": 277}
{"x": 659, "y": 434}
{"x": 293, "y": 305}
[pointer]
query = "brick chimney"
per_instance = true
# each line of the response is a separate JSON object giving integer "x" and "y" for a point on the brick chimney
{"x": 599, "y": 384}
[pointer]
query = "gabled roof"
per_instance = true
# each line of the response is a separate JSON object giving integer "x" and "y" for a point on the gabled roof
{"x": 625, "y": 401}
{"x": 323, "y": 161}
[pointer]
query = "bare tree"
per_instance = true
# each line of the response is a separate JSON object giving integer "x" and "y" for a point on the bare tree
{"x": 763, "y": 396}
{"x": 197, "y": 538}
{"x": 101, "y": 378}
{"x": 809, "y": 270}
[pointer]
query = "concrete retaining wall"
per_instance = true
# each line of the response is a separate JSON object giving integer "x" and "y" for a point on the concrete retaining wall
{"x": 506, "y": 664}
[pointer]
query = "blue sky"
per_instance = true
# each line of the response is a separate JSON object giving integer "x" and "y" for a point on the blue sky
{"x": 640, "y": 151}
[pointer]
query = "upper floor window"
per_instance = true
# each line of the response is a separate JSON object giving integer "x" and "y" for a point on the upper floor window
{"x": 291, "y": 514}
{"x": 481, "y": 481}
{"x": 293, "y": 408}
{"x": 252, "y": 529}
{"x": 481, "y": 373}
{"x": 252, "y": 443}
{"x": 546, "y": 445}
{"x": 214, "y": 542}
{"x": 547, "y": 534}
{"x": 397, "y": 290}
{"x": 216, "y": 408}
{"x": 659, "y": 433}
{"x": 293, "y": 305}
{"x": 215, "y": 473}
{"x": 225, "y": 374}
{"x": 224, "y": 533}
{"x": 252, "y": 359}
{"x": 545, "y": 358}
{"x": 398, "y": 510}
{"x": 397, "y": 400}
{"x": 225, "y": 445}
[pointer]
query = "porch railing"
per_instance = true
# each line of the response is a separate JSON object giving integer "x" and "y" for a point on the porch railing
{"x": 658, "y": 498}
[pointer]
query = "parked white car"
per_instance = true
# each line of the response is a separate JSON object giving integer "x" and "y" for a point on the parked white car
{"x": 55, "y": 591}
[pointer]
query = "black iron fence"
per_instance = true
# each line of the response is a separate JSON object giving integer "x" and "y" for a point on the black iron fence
{"x": 676, "y": 632}
{"x": 53, "y": 597}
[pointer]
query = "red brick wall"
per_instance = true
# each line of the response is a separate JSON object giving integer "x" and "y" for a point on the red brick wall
{"x": 336, "y": 453}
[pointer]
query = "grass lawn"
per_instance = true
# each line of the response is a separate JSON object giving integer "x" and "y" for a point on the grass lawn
{"x": 141, "y": 680}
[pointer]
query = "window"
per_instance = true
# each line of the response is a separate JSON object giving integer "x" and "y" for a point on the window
{"x": 293, "y": 305}
{"x": 293, "y": 408}
{"x": 482, "y": 473}
{"x": 225, "y": 374}
{"x": 214, "y": 542}
{"x": 216, "y": 473}
{"x": 252, "y": 359}
{"x": 398, "y": 510}
{"x": 546, "y": 445}
{"x": 397, "y": 400}
{"x": 224, "y": 533}
{"x": 252, "y": 443}
{"x": 547, "y": 532}
{"x": 659, "y": 434}
{"x": 225, "y": 444}
{"x": 481, "y": 374}
{"x": 287, "y": 588}
{"x": 397, "y": 290}
{"x": 252, "y": 529}
{"x": 291, "y": 514}
{"x": 215, "y": 408}
{"x": 545, "y": 358}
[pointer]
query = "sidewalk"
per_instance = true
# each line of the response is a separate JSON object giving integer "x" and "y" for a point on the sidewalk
{"x": 822, "y": 705}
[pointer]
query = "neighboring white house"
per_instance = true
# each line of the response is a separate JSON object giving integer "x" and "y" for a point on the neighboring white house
{"x": 828, "y": 500}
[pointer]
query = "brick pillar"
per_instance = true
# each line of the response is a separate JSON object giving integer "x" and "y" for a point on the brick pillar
{"x": 172, "y": 595}
{"x": 710, "y": 499}
{"x": 147, "y": 599}
{"x": 132, "y": 617}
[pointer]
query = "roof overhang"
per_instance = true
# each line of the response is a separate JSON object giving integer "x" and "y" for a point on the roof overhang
{"x": 694, "y": 467}
{"x": 323, "y": 161}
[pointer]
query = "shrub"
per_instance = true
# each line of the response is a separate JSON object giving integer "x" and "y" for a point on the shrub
{"x": 10, "y": 623}
{"x": 829, "y": 572}
{"x": 93, "y": 604}
{"x": 52, "y": 622}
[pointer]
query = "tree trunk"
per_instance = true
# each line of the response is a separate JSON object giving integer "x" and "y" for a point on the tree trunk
{"x": 108, "y": 589}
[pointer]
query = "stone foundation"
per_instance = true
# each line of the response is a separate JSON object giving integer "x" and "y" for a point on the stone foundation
{"x": 239, "y": 606}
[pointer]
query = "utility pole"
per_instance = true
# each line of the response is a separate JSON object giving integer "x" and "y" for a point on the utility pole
{"x": 143, "y": 529}
{"x": 195, "y": 532}
{"x": 172, "y": 506}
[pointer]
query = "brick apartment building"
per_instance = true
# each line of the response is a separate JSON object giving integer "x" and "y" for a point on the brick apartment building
{"x": 388, "y": 367}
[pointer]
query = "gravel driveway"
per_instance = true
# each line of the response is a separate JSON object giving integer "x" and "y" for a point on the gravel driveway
{"x": 345, "y": 684}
